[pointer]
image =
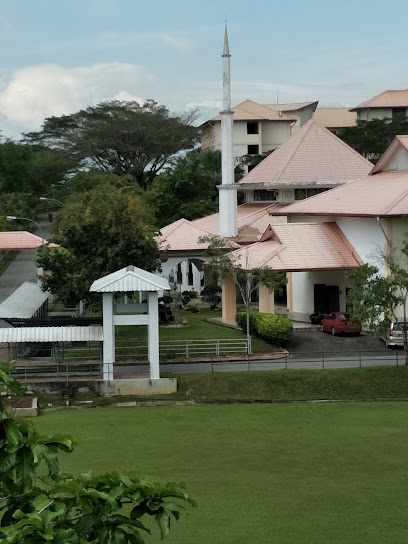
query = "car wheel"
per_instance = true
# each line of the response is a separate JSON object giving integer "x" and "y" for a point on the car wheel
{"x": 333, "y": 331}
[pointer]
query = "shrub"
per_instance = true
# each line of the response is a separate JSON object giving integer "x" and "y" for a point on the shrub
{"x": 210, "y": 295}
{"x": 193, "y": 306}
{"x": 276, "y": 329}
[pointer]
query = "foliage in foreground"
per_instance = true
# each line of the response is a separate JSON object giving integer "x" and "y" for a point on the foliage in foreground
{"x": 276, "y": 329}
{"x": 39, "y": 504}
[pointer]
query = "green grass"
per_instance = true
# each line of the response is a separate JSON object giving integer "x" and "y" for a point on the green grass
{"x": 7, "y": 259}
{"x": 262, "y": 474}
{"x": 197, "y": 328}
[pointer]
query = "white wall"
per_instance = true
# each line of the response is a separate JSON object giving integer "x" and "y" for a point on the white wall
{"x": 368, "y": 114}
{"x": 172, "y": 264}
{"x": 399, "y": 161}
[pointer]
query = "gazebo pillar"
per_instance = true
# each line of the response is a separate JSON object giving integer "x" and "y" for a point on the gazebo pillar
{"x": 108, "y": 337}
{"x": 153, "y": 336}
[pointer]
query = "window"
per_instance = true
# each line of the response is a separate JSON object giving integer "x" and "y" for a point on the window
{"x": 253, "y": 149}
{"x": 399, "y": 114}
{"x": 300, "y": 194}
{"x": 252, "y": 127}
{"x": 263, "y": 195}
{"x": 190, "y": 273}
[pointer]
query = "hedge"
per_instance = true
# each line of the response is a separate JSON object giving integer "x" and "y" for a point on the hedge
{"x": 276, "y": 329}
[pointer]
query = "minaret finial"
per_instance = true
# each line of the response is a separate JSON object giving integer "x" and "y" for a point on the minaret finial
{"x": 226, "y": 52}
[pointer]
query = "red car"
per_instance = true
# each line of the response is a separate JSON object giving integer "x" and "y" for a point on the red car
{"x": 337, "y": 323}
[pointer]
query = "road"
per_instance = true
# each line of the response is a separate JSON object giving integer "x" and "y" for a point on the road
{"x": 23, "y": 267}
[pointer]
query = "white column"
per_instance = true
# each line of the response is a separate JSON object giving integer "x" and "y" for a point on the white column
{"x": 153, "y": 336}
{"x": 108, "y": 337}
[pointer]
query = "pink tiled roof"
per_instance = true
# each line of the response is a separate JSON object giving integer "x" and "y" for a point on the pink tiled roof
{"x": 17, "y": 240}
{"x": 182, "y": 235}
{"x": 300, "y": 246}
{"x": 252, "y": 111}
{"x": 313, "y": 155}
{"x": 379, "y": 195}
{"x": 253, "y": 219}
{"x": 386, "y": 99}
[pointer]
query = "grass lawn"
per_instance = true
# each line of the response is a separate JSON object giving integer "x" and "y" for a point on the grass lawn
{"x": 262, "y": 474}
{"x": 197, "y": 328}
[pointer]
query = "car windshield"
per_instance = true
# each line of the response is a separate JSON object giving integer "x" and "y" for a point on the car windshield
{"x": 343, "y": 317}
{"x": 398, "y": 326}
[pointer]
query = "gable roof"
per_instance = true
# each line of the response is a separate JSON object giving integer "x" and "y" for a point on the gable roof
{"x": 398, "y": 142}
{"x": 21, "y": 239}
{"x": 300, "y": 246}
{"x": 313, "y": 155}
{"x": 386, "y": 99}
{"x": 252, "y": 111}
{"x": 129, "y": 279}
{"x": 381, "y": 195}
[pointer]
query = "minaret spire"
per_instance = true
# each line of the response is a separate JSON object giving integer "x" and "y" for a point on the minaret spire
{"x": 228, "y": 189}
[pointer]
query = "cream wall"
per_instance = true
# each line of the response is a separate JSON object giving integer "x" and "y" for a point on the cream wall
{"x": 303, "y": 291}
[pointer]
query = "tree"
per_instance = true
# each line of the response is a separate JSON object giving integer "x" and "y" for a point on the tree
{"x": 371, "y": 138}
{"x": 228, "y": 262}
{"x": 374, "y": 298}
{"x": 99, "y": 231}
{"x": 39, "y": 504}
{"x": 120, "y": 137}
{"x": 30, "y": 168}
{"x": 188, "y": 188}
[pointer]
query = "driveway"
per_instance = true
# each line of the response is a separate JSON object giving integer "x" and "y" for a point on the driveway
{"x": 316, "y": 341}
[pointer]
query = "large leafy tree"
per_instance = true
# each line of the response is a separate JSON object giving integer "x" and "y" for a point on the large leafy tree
{"x": 99, "y": 231}
{"x": 188, "y": 188}
{"x": 40, "y": 504}
{"x": 371, "y": 138}
{"x": 120, "y": 137}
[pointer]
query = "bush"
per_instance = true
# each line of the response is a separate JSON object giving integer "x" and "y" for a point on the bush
{"x": 193, "y": 306}
{"x": 276, "y": 329}
{"x": 210, "y": 295}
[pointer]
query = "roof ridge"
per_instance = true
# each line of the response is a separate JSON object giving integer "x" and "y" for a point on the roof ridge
{"x": 262, "y": 107}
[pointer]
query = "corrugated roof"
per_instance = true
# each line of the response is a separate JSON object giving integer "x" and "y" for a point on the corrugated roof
{"x": 252, "y": 111}
{"x": 386, "y": 99}
{"x": 313, "y": 155}
{"x": 129, "y": 279}
{"x": 17, "y": 240}
{"x": 300, "y": 246}
{"x": 379, "y": 195}
{"x": 335, "y": 117}
{"x": 51, "y": 334}
{"x": 24, "y": 302}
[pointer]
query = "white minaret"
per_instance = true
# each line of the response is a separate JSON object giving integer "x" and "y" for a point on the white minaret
{"x": 228, "y": 189}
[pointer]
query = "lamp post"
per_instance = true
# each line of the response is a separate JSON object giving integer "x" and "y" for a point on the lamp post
{"x": 44, "y": 198}
{"x": 14, "y": 218}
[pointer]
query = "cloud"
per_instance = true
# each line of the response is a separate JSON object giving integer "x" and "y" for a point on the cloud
{"x": 176, "y": 42}
{"x": 31, "y": 94}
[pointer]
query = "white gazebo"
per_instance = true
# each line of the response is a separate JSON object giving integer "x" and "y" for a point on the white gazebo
{"x": 130, "y": 280}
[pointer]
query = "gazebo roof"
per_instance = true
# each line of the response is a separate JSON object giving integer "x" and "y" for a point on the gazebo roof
{"x": 130, "y": 279}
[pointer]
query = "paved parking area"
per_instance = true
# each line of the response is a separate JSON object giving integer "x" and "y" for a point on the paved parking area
{"x": 317, "y": 341}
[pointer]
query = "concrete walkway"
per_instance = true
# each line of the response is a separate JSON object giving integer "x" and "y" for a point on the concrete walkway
{"x": 23, "y": 268}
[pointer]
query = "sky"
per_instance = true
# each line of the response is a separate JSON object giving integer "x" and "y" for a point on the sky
{"x": 58, "y": 56}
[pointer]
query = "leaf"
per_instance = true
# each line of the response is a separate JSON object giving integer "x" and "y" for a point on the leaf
{"x": 24, "y": 468}
{"x": 163, "y": 521}
{"x": 13, "y": 434}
